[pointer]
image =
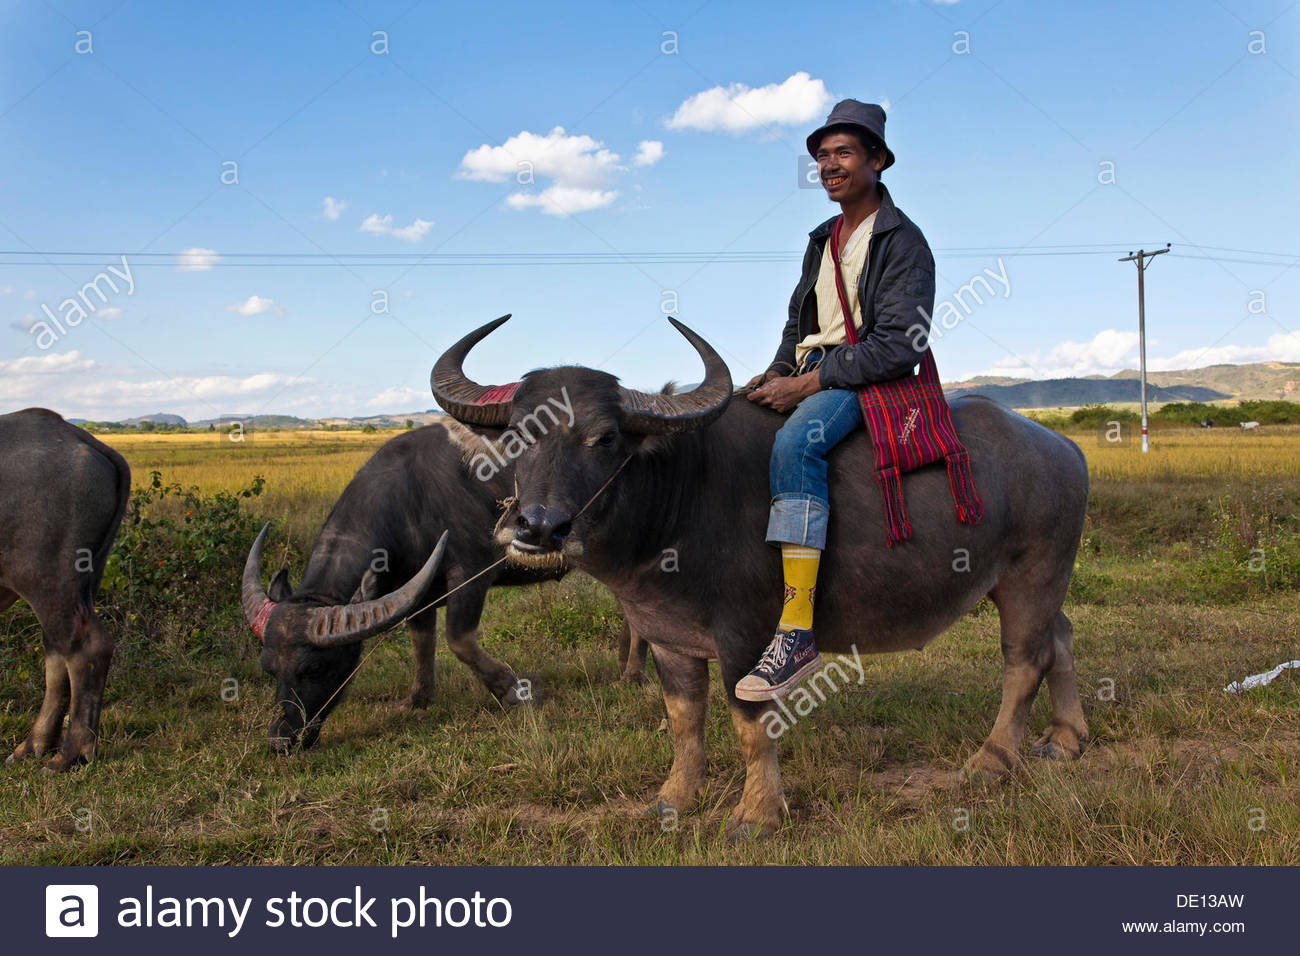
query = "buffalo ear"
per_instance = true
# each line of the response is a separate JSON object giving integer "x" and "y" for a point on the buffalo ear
{"x": 645, "y": 444}
{"x": 280, "y": 589}
{"x": 369, "y": 589}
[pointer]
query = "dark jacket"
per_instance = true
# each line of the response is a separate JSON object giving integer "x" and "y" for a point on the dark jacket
{"x": 896, "y": 292}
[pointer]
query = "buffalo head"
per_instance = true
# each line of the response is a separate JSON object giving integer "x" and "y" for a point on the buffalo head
{"x": 570, "y": 430}
{"x": 312, "y": 649}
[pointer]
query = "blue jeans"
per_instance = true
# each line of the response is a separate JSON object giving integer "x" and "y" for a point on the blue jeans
{"x": 800, "y": 499}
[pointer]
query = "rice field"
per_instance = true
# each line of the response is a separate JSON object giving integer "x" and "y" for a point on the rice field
{"x": 1168, "y": 604}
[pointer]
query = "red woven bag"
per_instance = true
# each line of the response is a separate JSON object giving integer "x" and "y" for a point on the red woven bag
{"x": 910, "y": 425}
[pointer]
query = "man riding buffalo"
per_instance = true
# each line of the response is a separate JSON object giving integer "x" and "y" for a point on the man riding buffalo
{"x": 887, "y": 281}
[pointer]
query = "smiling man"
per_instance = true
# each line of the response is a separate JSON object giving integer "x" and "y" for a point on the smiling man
{"x": 887, "y": 275}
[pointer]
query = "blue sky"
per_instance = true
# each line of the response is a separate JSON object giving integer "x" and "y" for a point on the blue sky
{"x": 644, "y": 128}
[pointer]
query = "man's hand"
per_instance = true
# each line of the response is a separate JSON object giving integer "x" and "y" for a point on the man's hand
{"x": 783, "y": 393}
{"x": 762, "y": 378}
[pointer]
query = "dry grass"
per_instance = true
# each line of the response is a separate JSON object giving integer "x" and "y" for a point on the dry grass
{"x": 1178, "y": 772}
{"x": 1201, "y": 452}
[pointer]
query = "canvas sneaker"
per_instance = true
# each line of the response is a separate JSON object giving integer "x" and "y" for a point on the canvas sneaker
{"x": 790, "y": 658}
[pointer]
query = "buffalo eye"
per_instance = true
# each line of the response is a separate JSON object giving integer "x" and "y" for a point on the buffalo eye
{"x": 607, "y": 440}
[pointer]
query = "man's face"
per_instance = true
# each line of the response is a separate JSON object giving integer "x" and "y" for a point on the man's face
{"x": 847, "y": 172}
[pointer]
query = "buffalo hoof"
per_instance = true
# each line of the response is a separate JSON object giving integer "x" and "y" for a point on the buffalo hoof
{"x": 418, "y": 701}
{"x": 24, "y": 751}
{"x": 634, "y": 678}
{"x": 664, "y": 812}
{"x": 279, "y": 746}
{"x": 742, "y": 831}
{"x": 1061, "y": 742}
{"x": 1049, "y": 751}
{"x": 988, "y": 766}
{"x": 517, "y": 696}
{"x": 62, "y": 764}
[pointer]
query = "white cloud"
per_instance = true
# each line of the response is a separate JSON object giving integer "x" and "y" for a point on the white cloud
{"x": 580, "y": 168}
{"x": 332, "y": 208}
{"x": 98, "y": 394}
{"x": 562, "y": 200}
{"x": 739, "y": 108}
{"x": 110, "y": 314}
{"x": 569, "y": 160}
{"x": 416, "y": 231}
{"x": 1112, "y": 351}
{"x": 49, "y": 364}
{"x": 383, "y": 226}
{"x": 255, "y": 305}
{"x": 399, "y": 398}
{"x": 196, "y": 259}
{"x": 1282, "y": 347}
{"x": 1105, "y": 353}
{"x": 8, "y": 290}
{"x": 648, "y": 152}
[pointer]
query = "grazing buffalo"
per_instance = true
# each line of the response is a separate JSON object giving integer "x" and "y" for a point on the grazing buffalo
{"x": 62, "y": 497}
{"x": 384, "y": 525}
{"x": 640, "y": 476}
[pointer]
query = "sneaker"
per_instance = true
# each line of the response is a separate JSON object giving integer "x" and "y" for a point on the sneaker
{"x": 790, "y": 658}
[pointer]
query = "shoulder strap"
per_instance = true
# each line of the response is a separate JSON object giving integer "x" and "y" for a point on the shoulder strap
{"x": 929, "y": 373}
{"x": 850, "y": 333}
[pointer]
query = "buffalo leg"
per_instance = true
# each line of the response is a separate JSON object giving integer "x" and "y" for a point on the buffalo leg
{"x": 1028, "y": 654}
{"x": 463, "y": 612}
{"x": 88, "y": 665}
{"x": 57, "y": 633}
{"x": 763, "y": 801}
{"x": 685, "y": 682}
{"x": 631, "y": 655}
{"x": 7, "y": 597}
{"x": 47, "y": 729}
{"x": 1068, "y": 730}
{"x": 424, "y": 647}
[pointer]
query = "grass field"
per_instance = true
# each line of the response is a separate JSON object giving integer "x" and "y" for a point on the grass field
{"x": 1188, "y": 577}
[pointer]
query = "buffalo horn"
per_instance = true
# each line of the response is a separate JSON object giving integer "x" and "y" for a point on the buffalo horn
{"x": 349, "y": 623}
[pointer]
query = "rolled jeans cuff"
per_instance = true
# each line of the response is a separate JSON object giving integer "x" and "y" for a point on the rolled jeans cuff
{"x": 798, "y": 519}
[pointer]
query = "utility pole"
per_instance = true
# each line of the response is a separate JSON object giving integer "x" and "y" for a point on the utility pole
{"x": 1141, "y": 258}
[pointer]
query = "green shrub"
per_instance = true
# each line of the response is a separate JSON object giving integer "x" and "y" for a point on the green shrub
{"x": 1094, "y": 416}
{"x": 174, "y": 572}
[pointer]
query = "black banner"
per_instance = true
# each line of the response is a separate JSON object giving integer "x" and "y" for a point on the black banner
{"x": 646, "y": 910}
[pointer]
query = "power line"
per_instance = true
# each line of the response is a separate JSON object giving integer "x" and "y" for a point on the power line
{"x": 265, "y": 260}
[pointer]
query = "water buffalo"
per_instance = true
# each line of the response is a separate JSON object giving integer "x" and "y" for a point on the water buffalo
{"x": 384, "y": 525}
{"x": 62, "y": 497}
{"x": 641, "y": 476}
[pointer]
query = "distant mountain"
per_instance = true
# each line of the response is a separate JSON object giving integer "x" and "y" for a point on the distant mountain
{"x": 1055, "y": 392}
{"x": 1261, "y": 380}
{"x": 1215, "y": 383}
{"x": 258, "y": 421}
{"x": 158, "y": 418}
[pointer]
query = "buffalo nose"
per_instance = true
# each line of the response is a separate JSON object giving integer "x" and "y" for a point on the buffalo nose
{"x": 542, "y": 527}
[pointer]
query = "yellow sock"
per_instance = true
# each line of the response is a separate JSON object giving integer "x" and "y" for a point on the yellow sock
{"x": 800, "y": 566}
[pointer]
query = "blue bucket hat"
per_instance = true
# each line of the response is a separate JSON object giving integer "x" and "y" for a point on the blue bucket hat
{"x": 865, "y": 116}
